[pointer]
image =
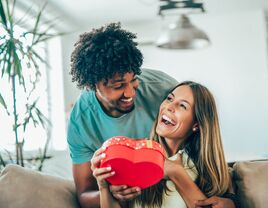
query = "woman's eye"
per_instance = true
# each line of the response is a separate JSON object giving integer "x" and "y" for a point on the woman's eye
{"x": 183, "y": 106}
{"x": 169, "y": 98}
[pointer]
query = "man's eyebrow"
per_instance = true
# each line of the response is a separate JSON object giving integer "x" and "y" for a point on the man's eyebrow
{"x": 117, "y": 80}
{"x": 121, "y": 80}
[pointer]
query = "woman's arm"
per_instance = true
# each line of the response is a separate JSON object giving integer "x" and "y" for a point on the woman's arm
{"x": 184, "y": 184}
{"x": 189, "y": 191}
{"x": 101, "y": 174}
{"x": 106, "y": 199}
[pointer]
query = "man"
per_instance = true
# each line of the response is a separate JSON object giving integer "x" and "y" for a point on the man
{"x": 118, "y": 100}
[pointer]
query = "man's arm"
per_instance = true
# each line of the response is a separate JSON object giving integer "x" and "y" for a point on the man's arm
{"x": 217, "y": 202}
{"x": 86, "y": 186}
{"x": 228, "y": 200}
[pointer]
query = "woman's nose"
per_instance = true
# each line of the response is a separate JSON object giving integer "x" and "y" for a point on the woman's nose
{"x": 170, "y": 107}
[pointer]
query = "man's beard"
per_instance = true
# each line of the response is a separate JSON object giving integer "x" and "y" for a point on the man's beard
{"x": 126, "y": 111}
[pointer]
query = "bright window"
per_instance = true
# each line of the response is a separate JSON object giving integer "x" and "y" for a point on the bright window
{"x": 48, "y": 92}
{"x": 34, "y": 137}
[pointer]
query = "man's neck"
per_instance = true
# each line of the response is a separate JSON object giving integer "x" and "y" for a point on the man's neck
{"x": 112, "y": 112}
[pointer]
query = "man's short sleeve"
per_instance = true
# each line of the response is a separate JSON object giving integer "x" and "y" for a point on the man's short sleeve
{"x": 79, "y": 151}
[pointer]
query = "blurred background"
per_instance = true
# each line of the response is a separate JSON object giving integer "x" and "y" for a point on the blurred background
{"x": 233, "y": 66}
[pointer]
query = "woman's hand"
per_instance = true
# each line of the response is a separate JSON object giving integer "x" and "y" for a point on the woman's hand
{"x": 100, "y": 173}
{"x": 171, "y": 166}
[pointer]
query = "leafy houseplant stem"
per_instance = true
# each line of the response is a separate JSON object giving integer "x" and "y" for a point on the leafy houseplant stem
{"x": 20, "y": 61}
{"x": 15, "y": 117}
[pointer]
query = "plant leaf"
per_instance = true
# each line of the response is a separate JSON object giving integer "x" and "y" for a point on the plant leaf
{"x": 2, "y": 101}
{"x": 18, "y": 68}
{"x": 4, "y": 60}
{"x": 18, "y": 22}
{"x": 2, "y": 162}
{"x": 9, "y": 155}
{"x": 8, "y": 15}
{"x": 38, "y": 56}
{"x": 38, "y": 17}
{"x": 3, "y": 15}
{"x": 13, "y": 8}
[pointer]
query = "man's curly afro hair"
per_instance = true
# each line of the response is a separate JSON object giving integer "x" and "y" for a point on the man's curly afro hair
{"x": 102, "y": 53}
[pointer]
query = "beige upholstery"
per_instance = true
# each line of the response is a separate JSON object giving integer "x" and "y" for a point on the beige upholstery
{"x": 25, "y": 188}
{"x": 251, "y": 179}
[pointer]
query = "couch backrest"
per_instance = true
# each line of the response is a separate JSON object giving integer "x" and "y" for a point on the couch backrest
{"x": 251, "y": 180}
{"x": 25, "y": 188}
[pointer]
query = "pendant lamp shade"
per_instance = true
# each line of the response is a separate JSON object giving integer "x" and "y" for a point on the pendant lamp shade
{"x": 183, "y": 35}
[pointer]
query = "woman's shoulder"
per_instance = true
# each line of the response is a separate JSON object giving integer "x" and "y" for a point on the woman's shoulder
{"x": 187, "y": 163}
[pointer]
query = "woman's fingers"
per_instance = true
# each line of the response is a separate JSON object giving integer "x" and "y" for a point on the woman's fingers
{"x": 99, "y": 151}
{"x": 102, "y": 173}
{"x": 97, "y": 157}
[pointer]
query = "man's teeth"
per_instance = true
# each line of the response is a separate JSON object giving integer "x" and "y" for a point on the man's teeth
{"x": 127, "y": 100}
{"x": 167, "y": 120}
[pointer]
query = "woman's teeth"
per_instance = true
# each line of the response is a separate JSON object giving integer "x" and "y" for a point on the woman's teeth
{"x": 167, "y": 120}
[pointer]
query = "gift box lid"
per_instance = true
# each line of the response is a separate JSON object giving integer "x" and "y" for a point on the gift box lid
{"x": 135, "y": 162}
{"x": 134, "y": 144}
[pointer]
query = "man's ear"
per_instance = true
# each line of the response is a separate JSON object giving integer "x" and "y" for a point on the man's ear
{"x": 195, "y": 127}
{"x": 97, "y": 88}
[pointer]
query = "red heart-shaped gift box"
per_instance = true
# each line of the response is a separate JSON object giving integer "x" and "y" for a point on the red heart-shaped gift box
{"x": 135, "y": 162}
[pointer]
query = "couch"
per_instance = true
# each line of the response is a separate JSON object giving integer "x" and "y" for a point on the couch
{"x": 251, "y": 183}
{"x": 25, "y": 188}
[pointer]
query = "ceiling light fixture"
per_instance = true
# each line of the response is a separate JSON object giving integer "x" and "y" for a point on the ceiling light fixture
{"x": 182, "y": 34}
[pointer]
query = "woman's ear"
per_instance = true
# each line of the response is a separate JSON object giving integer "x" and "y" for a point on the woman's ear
{"x": 195, "y": 127}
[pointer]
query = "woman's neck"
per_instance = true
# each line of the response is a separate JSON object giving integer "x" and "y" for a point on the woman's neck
{"x": 172, "y": 146}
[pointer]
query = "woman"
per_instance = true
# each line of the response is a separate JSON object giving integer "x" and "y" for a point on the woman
{"x": 187, "y": 127}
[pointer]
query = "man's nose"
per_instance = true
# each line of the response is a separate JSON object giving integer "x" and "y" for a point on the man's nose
{"x": 130, "y": 91}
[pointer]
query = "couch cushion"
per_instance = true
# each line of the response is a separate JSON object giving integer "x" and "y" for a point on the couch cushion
{"x": 251, "y": 180}
{"x": 25, "y": 188}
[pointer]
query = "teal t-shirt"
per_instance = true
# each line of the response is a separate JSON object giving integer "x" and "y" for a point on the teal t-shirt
{"x": 89, "y": 126}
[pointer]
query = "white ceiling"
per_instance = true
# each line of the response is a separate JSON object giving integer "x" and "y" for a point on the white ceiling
{"x": 84, "y": 13}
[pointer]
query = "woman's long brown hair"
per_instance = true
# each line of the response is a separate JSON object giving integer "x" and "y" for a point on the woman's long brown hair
{"x": 204, "y": 148}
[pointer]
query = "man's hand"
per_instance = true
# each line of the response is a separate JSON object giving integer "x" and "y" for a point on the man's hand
{"x": 124, "y": 193}
{"x": 215, "y": 202}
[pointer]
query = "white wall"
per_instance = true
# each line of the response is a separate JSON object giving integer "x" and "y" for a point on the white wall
{"x": 56, "y": 88}
{"x": 234, "y": 68}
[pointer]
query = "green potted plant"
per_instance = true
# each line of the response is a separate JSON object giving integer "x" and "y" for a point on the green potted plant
{"x": 18, "y": 56}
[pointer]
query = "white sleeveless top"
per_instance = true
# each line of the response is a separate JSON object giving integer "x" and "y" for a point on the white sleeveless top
{"x": 173, "y": 198}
